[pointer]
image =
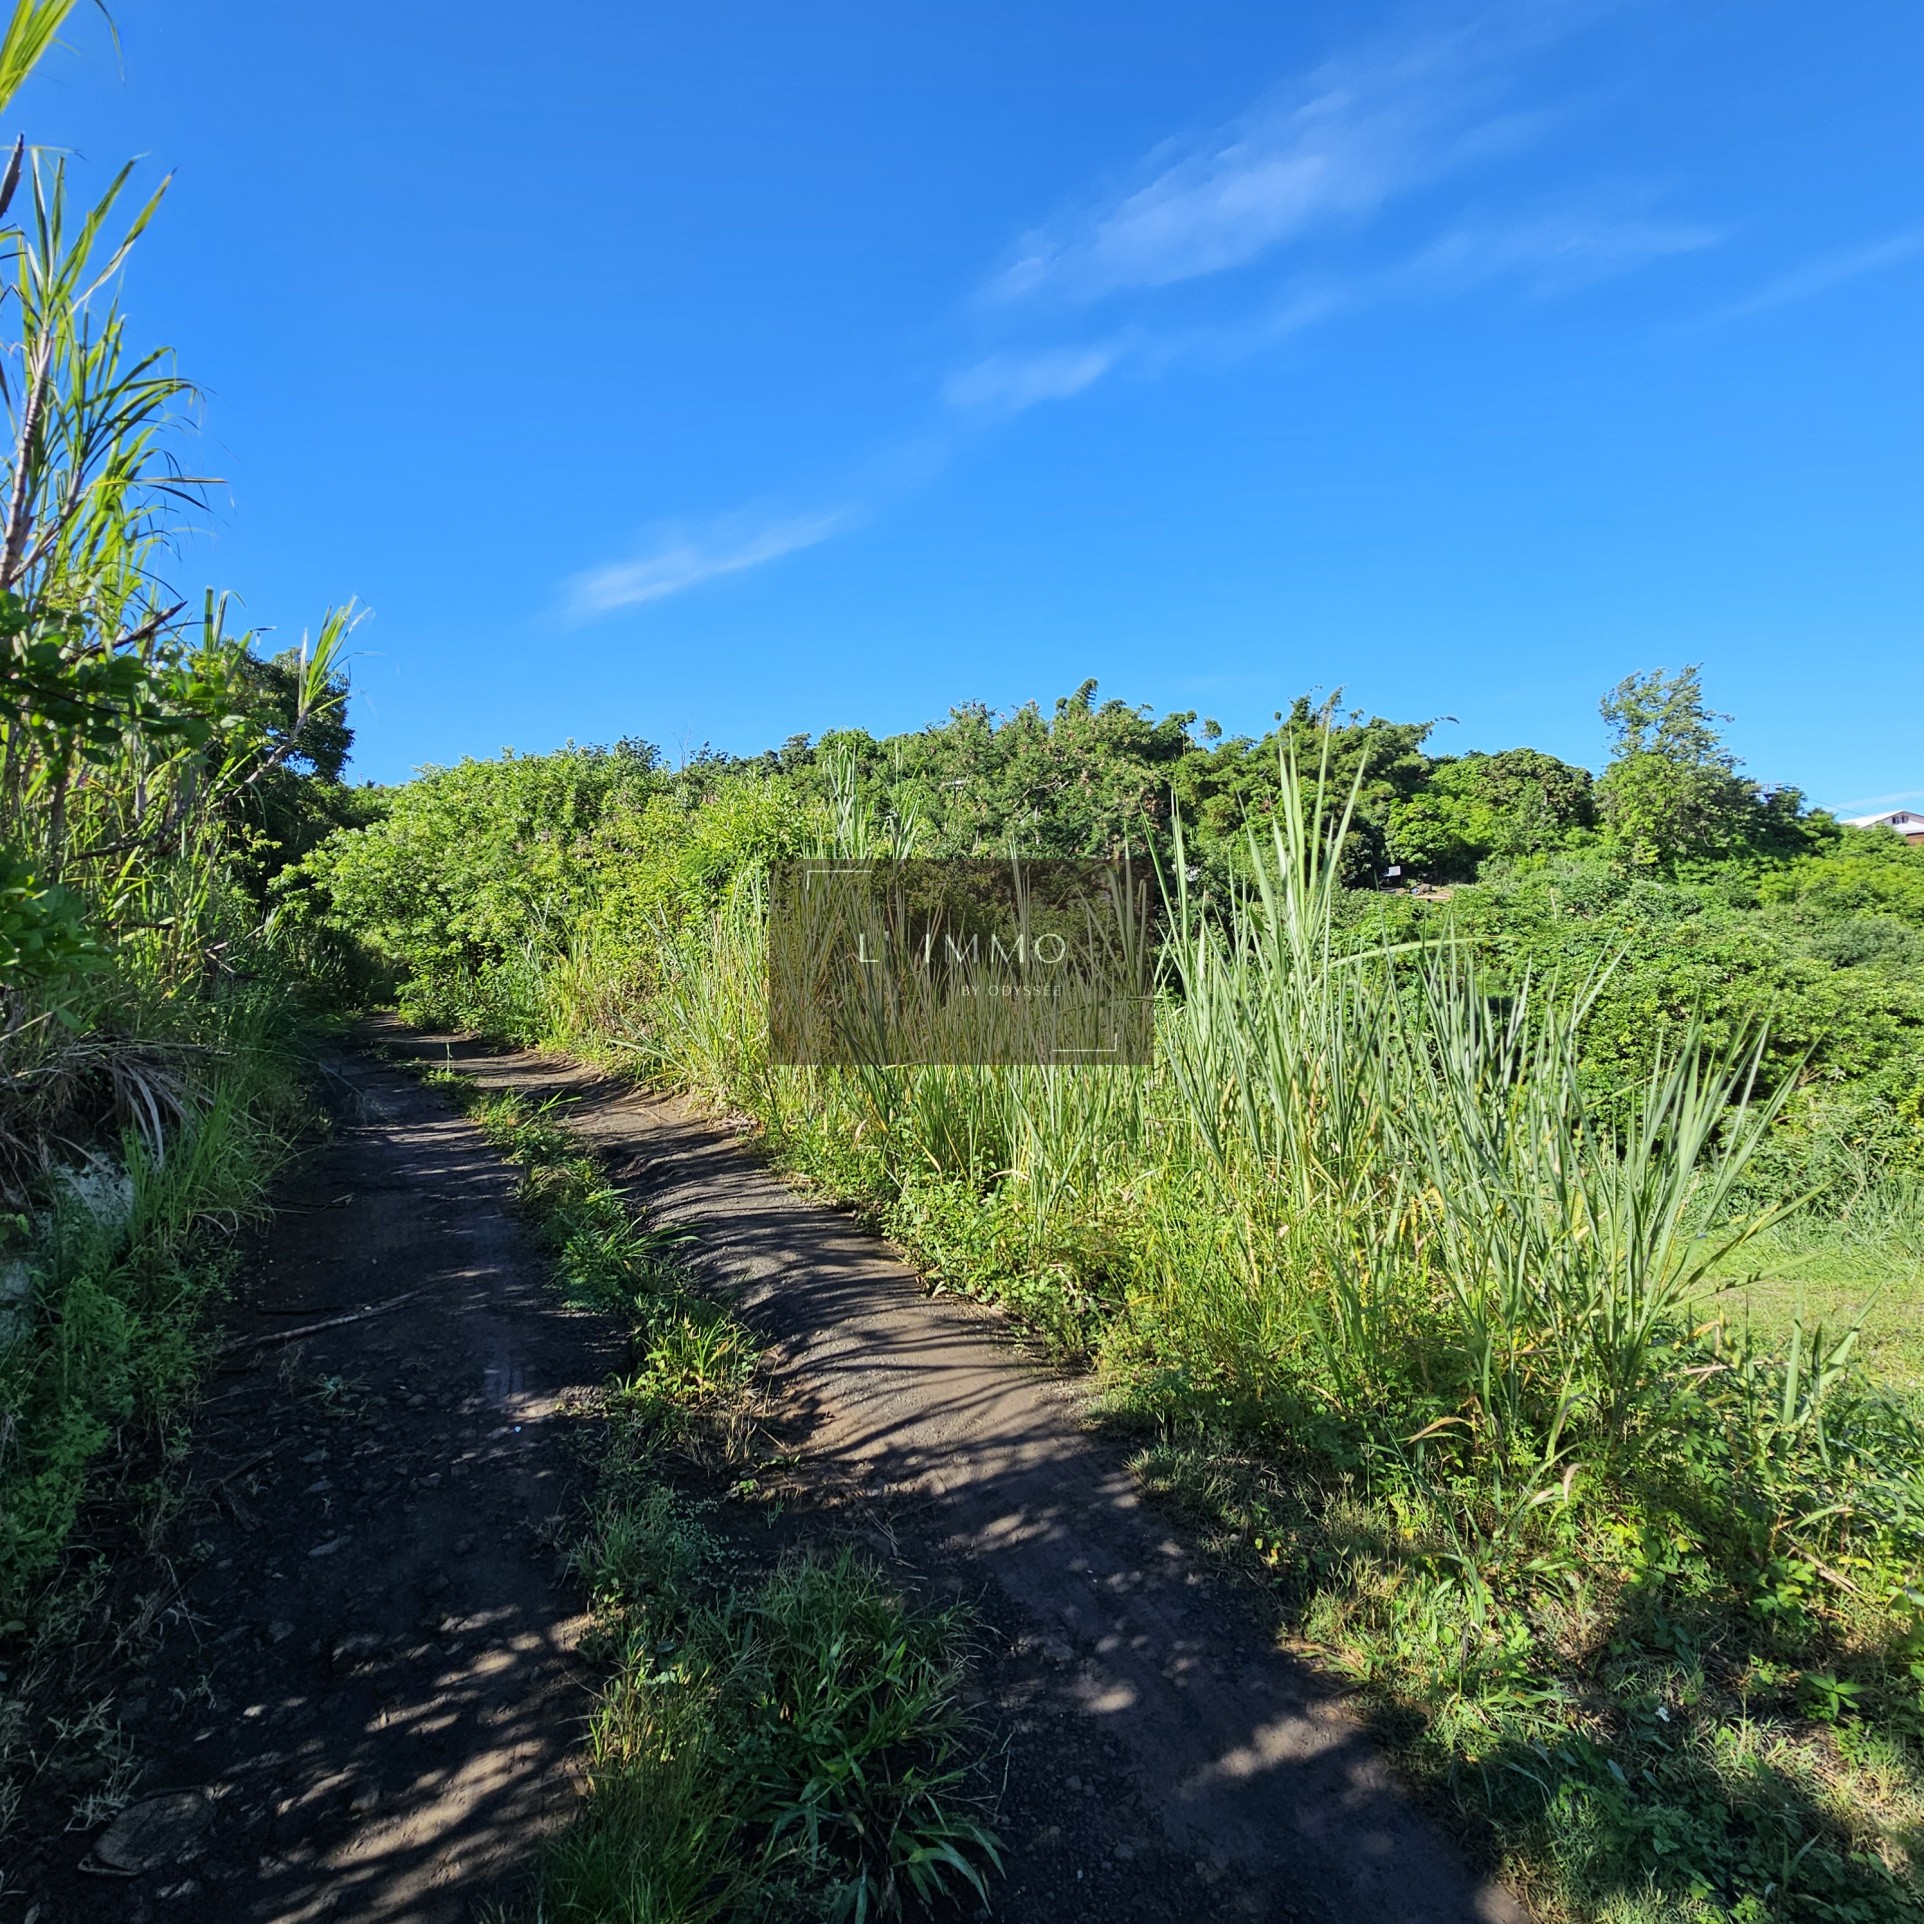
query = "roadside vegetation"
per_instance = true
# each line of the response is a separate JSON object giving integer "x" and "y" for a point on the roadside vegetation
{"x": 785, "y": 1743}
{"x": 1489, "y": 1268}
{"x": 158, "y": 769}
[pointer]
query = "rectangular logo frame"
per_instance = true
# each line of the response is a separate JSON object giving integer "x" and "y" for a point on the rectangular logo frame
{"x": 965, "y": 960}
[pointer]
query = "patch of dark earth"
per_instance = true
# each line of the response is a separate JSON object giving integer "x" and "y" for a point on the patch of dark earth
{"x": 367, "y": 1701}
{"x": 367, "y": 1698}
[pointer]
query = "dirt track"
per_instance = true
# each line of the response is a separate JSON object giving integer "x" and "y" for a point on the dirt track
{"x": 368, "y": 1673}
{"x": 371, "y": 1680}
{"x": 1246, "y": 1756}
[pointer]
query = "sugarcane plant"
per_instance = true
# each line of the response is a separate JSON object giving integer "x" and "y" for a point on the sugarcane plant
{"x": 137, "y": 732}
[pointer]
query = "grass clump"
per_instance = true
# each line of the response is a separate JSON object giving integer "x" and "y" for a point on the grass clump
{"x": 691, "y": 1362}
{"x": 103, "y": 1349}
{"x": 792, "y": 1744}
{"x": 104, "y": 1339}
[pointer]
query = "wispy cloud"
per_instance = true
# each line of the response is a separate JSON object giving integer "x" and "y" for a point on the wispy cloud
{"x": 1020, "y": 380}
{"x": 1550, "y": 255}
{"x": 1336, "y": 146}
{"x": 1556, "y": 252}
{"x": 1833, "y": 270}
{"x": 678, "y": 558}
{"x": 1270, "y": 204}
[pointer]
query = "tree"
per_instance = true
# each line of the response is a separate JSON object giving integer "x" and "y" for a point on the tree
{"x": 1235, "y": 785}
{"x": 1518, "y": 802}
{"x": 1672, "y": 792}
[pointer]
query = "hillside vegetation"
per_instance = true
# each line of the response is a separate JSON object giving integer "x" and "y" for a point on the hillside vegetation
{"x": 1418, "y": 1263}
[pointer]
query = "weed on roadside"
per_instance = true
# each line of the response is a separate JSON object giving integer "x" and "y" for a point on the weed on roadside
{"x": 1607, "y": 1717}
{"x": 96, "y": 1392}
{"x": 792, "y": 1746}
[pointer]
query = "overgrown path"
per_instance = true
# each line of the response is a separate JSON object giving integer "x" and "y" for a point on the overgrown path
{"x": 1246, "y": 1757}
{"x": 366, "y": 1705}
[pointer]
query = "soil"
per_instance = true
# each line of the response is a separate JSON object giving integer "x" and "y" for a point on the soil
{"x": 373, "y": 1679}
{"x": 369, "y": 1670}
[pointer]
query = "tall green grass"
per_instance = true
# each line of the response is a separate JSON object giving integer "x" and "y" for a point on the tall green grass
{"x": 154, "y": 772}
{"x": 105, "y": 1339}
{"x": 790, "y": 1747}
{"x": 1431, "y": 1336}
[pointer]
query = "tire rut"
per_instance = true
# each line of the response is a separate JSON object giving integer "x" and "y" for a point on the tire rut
{"x": 366, "y": 1704}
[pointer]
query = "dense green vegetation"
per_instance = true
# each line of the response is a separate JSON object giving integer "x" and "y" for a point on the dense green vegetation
{"x": 1416, "y": 1260}
{"x": 1487, "y": 1260}
{"x": 157, "y": 772}
{"x": 530, "y": 894}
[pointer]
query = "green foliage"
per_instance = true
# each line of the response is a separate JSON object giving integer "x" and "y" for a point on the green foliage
{"x": 1839, "y": 996}
{"x": 29, "y": 33}
{"x": 1239, "y": 784}
{"x": 43, "y": 931}
{"x": 477, "y": 880}
{"x": 1603, "y": 1715}
{"x": 147, "y": 764}
{"x": 1088, "y": 779}
{"x": 1672, "y": 792}
{"x": 1368, "y": 1225}
{"x": 1421, "y": 1215}
{"x": 1865, "y": 871}
{"x": 794, "y": 1748}
{"x": 109, "y": 1280}
{"x": 293, "y": 797}
{"x": 1483, "y": 807}
{"x": 540, "y": 896}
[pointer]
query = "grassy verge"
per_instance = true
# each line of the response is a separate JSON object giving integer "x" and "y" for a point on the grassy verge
{"x": 1866, "y": 1261}
{"x": 781, "y": 1743}
{"x": 1632, "y": 1743}
{"x": 1413, "y": 1330}
{"x": 1615, "y": 1705}
{"x": 107, "y": 1342}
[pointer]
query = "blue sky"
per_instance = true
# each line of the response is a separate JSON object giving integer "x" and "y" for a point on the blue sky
{"x": 718, "y": 372}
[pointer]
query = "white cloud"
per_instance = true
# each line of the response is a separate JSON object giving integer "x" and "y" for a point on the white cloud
{"x": 1820, "y": 276}
{"x": 1320, "y": 154}
{"x": 1360, "y": 131}
{"x": 1020, "y": 380}
{"x": 1566, "y": 250}
{"x": 680, "y": 558}
{"x": 1549, "y": 254}
{"x": 1877, "y": 804}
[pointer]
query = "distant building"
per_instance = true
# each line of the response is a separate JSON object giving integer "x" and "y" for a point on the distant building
{"x": 1905, "y": 821}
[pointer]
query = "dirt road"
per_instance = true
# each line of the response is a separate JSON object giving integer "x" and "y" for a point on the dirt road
{"x": 1245, "y": 1755}
{"x": 367, "y": 1704}
{"x": 366, "y": 1701}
